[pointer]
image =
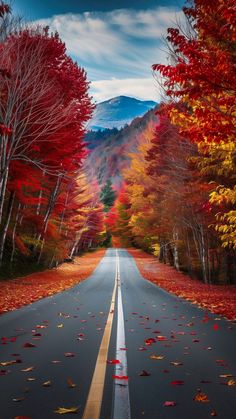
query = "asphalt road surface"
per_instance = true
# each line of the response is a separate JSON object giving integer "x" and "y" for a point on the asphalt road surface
{"x": 166, "y": 357}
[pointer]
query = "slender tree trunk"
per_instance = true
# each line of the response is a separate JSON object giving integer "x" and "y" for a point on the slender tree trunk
{"x": 3, "y": 185}
{"x": 175, "y": 252}
{"x": 203, "y": 255}
{"x": 47, "y": 216}
{"x": 75, "y": 245}
{"x": 5, "y": 229}
{"x": 14, "y": 232}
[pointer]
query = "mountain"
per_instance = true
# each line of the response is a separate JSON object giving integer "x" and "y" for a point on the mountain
{"x": 110, "y": 149}
{"x": 118, "y": 112}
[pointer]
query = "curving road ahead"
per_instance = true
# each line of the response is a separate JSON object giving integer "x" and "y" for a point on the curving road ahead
{"x": 166, "y": 357}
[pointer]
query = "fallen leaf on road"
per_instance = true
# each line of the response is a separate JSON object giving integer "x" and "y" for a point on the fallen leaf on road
{"x": 176, "y": 363}
{"x": 70, "y": 383}
{"x": 47, "y": 384}
{"x": 144, "y": 373}
{"x": 156, "y": 357}
{"x": 28, "y": 345}
{"x": 201, "y": 397}
{"x": 120, "y": 377}
{"x": 60, "y": 325}
{"x": 28, "y": 369}
{"x": 149, "y": 341}
{"x": 216, "y": 327}
{"x": 31, "y": 379}
{"x": 14, "y": 361}
{"x": 231, "y": 383}
{"x": 213, "y": 413}
{"x": 177, "y": 382}
{"x": 18, "y": 399}
{"x": 69, "y": 354}
{"x": 65, "y": 410}
{"x": 169, "y": 404}
{"x": 226, "y": 375}
{"x": 113, "y": 361}
{"x": 21, "y": 417}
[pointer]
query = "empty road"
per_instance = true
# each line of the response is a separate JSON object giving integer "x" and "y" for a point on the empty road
{"x": 116, "y": 347}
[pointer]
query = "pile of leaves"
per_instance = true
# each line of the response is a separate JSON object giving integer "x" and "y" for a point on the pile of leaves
{"x": 210, "y": 297}
{"x": 22, "y": 291}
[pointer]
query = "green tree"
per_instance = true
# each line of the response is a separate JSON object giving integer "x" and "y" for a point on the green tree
{"x": 107, "y": 195}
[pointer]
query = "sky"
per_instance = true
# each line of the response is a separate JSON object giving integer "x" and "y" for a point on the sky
{"x": 116, "y": 41}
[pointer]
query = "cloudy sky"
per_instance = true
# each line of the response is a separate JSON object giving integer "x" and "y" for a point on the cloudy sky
{"x": 116, "y": 41}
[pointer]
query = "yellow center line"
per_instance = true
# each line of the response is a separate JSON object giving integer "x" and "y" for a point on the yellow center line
{"x": 94, "y": 401}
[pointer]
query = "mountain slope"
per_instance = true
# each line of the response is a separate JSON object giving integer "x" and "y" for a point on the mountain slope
{"x": 118, "y": 111}
{"x": 110, "y": 154}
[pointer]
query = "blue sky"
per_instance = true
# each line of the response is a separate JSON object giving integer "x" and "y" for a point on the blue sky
{"x": 115, "y": 41}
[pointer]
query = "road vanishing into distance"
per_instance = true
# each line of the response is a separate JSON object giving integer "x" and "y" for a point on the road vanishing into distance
{"x": 116, "y": 347}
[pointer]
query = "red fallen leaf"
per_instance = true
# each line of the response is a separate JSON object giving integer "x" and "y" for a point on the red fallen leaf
{"x": 120, "y": 377}
{"x": 113, "y": 361}
{"x": 69, "y": 354}
{"x": 169, "y": 403}
{"x": 149, "y": 341}
{"x": 3, "y": 372}
{"x": 123, "y": 349}
{"x": 134, "y": 313}
{"x": 144, "y": 373}
{"x": 41, "y": 326}
{"x": 141, "y": 348}
{"x": 37, "y": 334}
{"x": 160, "y": 338}
{"x": 70, "y": 383}
{"x": 13, "y": 339}
{"x": 177, "y": 382}
{"x": 28, "y": 345}
{"x": 166, "y": 371}
{"x": 195, "y": 340}
{"x": 21, "y": 417}
{"x": 213, "y": 413}
{"x": 216, "y": 327}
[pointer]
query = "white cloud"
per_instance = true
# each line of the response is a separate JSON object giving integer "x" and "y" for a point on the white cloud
{"x": 143, "y": 89}
{"x": 122, "y": 44}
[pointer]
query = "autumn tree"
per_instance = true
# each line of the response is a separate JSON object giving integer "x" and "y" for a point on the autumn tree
{"x": 203, "y": 78}
{"x": 43, "y": 110}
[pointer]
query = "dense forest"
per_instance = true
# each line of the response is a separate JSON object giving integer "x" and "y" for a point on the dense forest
{"x": 165, "y": 183}
{"x": 178, "y": 197}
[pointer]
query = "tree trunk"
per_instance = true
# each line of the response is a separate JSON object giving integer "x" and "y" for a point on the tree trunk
{"x": 5, "y": 229}
{"x": 14, "y": 232}
{"x": 175, "y": 247}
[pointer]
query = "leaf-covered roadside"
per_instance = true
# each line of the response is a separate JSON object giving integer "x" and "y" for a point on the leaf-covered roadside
{"x": 21, "y": 291}
{"x": 219, "y": 299}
